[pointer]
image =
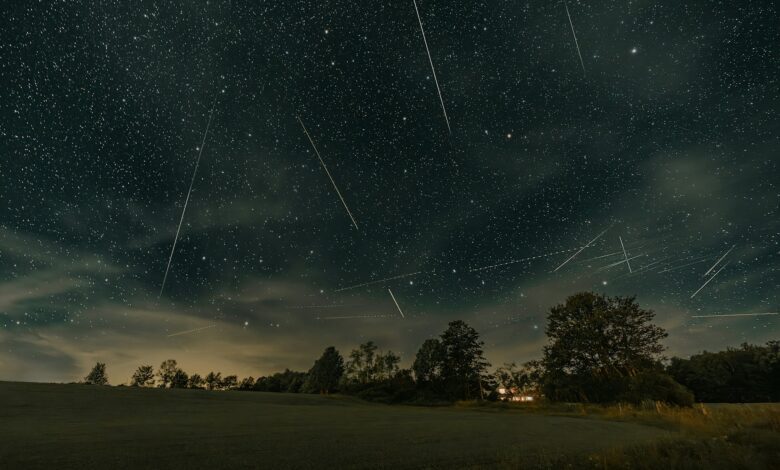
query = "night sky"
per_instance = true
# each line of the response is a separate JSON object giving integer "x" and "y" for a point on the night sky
{"x": 665, "y": 135}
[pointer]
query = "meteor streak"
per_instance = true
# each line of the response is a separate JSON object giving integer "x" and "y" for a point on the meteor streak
{"x": 521, "y": 260}
{"x": 187, "y": 199}
{"x": 684, "y": 265}
{"x": 328, "y": 173}
{"x": 192, "y": 331}
{"x": 377, "y": 281}
{"x": 646, "y": 267}
{"x": 624, "y": 254}
{"x": 618, "y": 263}
{"x": 396, "y": 304}
{"x": 603, "y": 256}
{"x": 587, "y": 245}
{"x": 719, "y": 260}
{"x": 708, "y": 280}
{"x": 298, "y": 307}
{"x": 736, "y": 315}
{"x": 433, "y": 70}
{"x": 575, "y": 38}
{"x": 346, "y": 317}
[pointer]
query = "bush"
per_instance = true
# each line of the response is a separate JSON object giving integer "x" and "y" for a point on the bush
{"x": 399, "y": 388}
{"x": 656, "y": 386}
{"x": 647, "y": 385}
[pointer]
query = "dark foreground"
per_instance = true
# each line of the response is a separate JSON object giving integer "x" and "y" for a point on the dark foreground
{"x": 76, "y": 426}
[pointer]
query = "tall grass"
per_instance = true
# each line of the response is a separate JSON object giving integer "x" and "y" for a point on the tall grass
{"x": 720, "y": 436}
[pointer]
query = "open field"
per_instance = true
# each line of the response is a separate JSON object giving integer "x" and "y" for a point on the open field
{"x": 77, "y": 426}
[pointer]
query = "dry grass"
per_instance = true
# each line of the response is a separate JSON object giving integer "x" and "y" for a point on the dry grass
{"x": 719, "y": 436}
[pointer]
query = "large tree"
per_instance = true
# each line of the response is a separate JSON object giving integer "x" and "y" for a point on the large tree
{"x": 388, "y": 365}
{"x": 362, "y": 364}
{"x": 143, "y": 377}
{"x": 230, "y": 382}
{"x": 367, "y": 366}
{"x": 428, "y": 363}
{"x": 464, "y": 367}
{"x": 324, "y": 376}
{"x": 596, "y": 342}
{"x": 214, "y": 380}
{"x": 180, "y": 379}
{"x": 195, "y": 381}
{"x": 247, "y": 383}
{"x": 97, "y": 375}
{"x": 167, "y": 373}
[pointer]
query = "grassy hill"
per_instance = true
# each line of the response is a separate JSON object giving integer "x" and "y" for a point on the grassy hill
{"x": 78, "y": 426}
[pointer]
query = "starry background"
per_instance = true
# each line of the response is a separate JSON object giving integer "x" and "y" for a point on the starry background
{"x": 668, "y": 139}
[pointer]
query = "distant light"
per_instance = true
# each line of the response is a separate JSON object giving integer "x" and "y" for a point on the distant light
{"x": 633, "y": 51}
{"x": 509, "y": 136}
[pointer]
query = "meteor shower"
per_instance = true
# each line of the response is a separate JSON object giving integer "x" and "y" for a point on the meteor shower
{"x": 390, "y": 234}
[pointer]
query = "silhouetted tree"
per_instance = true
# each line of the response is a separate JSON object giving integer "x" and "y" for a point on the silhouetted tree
{"x": 519, "y": 381}
{"x": 288, "y": 381}
{"x": 143, "y": 377}
{"x": 292, "y": 381}
{"x": 362, "y": 364}
{"x": 597, "y": 344}
{"x": 247, "y": 383}
{"x": 324, "y": 376}
{"x": 97, "y": 376}
{"x": 195, "y": 381}
{"x": 746, "y": 374}
{"x": 230, "y": 382}
{"x": 388, "y": 365}
{"x": 180, "y": 379}
{"x": 214, "y": 381}
{"x": 167, "y": 372}
{"x": 429, "y": 362}
{"x": 464, "y": 366}
{"x": 367, "y": 366}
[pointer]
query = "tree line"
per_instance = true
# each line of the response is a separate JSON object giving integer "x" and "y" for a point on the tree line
{"x": 600, "y": 350}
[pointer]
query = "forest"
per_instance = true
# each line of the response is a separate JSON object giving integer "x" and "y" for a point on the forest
{"x": 600, "y": 350}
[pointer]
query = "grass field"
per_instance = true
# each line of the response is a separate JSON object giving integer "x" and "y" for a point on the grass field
{"x": 77, "y": 426}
